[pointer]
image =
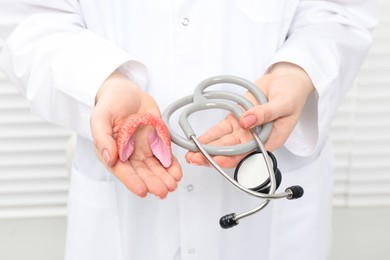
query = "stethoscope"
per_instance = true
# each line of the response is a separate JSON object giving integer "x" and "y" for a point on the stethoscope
{"x": 258, "y": 184}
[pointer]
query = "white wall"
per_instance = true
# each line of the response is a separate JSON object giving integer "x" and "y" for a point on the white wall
{"x": 32, "y": 238}
{"x": 361, "y": 234}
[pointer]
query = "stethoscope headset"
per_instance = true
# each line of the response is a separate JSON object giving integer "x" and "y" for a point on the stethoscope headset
{"x": 246, "y": 177}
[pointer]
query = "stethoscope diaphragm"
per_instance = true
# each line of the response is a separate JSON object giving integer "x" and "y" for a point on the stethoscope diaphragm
{"x": 252, "y": 172}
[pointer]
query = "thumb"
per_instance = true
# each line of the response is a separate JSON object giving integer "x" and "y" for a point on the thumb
{"x": 281, "y": 113}
{"x": 262, "y": 114}
{"x": 103, "y": 137}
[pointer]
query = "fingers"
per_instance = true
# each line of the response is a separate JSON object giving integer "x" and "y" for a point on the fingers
{"x": 223, "y": 161}
{"x": 164, "y": 177}
{"x": 281, "y": 130}
{"x": 175, "y": 170}
{"x": 279, "y": 111}
{"x": 158, "y": 180}
{"x": 226, "y": 133}
{"x": 214, "y": 133}
{"x": 150, "y": 177}
{"x": 142, "y": 177}
{"x": 235, "y": 138}
{"x": 262, "y": 114}
{"x": 103, "y": 136}
{"x": 229, "y": 132}
{"x": 133, "y": 182}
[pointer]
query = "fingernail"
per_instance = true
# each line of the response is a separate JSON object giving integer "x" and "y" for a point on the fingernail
{"x": 189, "y": 159}
{"x": 249, "y": 121}
{"x": 194, "y": 163}
{"x": 106, "y": 157}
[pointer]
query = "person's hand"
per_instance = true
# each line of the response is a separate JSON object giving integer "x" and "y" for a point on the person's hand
{"x": 287, "y": 87}
{"x": 118, "y": 98}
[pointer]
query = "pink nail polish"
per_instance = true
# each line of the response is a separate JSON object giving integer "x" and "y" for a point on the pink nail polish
{"x": 106, "y": 157}
{"x": 249, "y": 121}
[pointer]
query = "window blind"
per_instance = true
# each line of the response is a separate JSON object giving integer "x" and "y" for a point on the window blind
{"x": 361, "y": 131}
{"x": 33, "y": 176}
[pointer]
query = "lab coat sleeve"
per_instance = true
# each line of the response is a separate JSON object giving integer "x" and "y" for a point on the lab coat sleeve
{"x": 329, "y": 40}
{"x": 56, "y": 62}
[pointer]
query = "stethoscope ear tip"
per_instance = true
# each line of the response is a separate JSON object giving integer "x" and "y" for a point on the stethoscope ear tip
{"x": 228, "y": 221}
{"x": 295, "y": 192}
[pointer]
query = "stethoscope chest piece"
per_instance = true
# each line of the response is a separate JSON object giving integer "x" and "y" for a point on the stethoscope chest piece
{"x": 252, "y": 172}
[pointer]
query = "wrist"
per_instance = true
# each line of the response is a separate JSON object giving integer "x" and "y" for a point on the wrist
{"x": 119, "y": 81}
{"x": 291, "y": 69}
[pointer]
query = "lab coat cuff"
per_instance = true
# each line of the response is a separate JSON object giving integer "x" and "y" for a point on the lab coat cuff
{"x": 80, "y": 82}
{"x": 135, "y": 71}
{"x": 304, "y": 60}
{"x": 306, "y": 137}
{"x": 101, "y": 58}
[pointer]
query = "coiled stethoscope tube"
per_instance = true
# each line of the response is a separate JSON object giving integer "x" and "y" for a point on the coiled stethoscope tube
{"x": 204, "y": 100}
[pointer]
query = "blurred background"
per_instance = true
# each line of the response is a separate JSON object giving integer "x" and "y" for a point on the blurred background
{"x": 34, "y": 162}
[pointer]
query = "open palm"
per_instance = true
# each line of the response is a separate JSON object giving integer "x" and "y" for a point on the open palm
{"x": 142, "y": 173}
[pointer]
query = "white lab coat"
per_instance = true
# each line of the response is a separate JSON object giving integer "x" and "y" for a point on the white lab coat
{"x": 59, "y": 52}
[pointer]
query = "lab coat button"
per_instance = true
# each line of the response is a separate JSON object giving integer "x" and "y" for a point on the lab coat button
{"x": 191, "y": 251}
{"x": 185, "y": 21}
{"x": 190, "y": 187}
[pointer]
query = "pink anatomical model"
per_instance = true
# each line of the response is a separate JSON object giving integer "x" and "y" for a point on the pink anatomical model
{"x": 159, "y": 139}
